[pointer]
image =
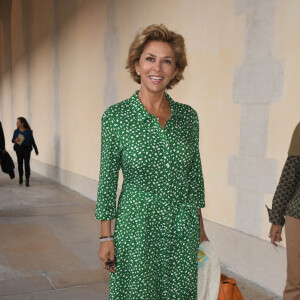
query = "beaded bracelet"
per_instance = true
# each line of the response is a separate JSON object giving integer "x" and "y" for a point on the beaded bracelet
{"x": 106, "y": 239}
{"x": 106, "y": 236}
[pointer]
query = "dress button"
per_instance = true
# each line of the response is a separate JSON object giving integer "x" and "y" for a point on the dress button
{"x": 168, "y": 165}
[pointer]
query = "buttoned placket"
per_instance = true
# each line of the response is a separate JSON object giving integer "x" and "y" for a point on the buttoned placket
{"x": 166, "y": 173}
{"x": 162, "y": 133}
{"x": 166, "y": 166}
{"x": 166, "y": 155}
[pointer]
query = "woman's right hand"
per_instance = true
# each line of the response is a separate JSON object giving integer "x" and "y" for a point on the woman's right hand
{"x": 107, "y": 250}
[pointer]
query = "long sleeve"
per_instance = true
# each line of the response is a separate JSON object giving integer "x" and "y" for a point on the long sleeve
{"x": 33, "y": 143}
{"x": 195, "y": 176}
{"x": 110, "y": 163}
{"x": 14, "y": 136}
{"x": 284, "y": 191}
{"x": 2, "y": 138}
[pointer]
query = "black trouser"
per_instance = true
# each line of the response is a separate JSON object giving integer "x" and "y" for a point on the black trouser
{"x": 23, "y": 154}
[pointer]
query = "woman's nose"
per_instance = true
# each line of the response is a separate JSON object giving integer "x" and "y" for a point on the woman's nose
{"x": 157, "y": 66}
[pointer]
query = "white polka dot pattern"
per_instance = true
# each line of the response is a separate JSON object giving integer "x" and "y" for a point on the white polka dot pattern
{"x": 157, "y": 229}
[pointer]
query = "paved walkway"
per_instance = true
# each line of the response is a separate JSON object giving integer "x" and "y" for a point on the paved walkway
{"x": 49, "y": 245}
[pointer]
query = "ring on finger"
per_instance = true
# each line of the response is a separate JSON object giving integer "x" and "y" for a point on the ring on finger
{"x": 270, "y": 235}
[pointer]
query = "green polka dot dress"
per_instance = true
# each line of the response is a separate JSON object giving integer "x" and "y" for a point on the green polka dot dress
{"x": 157, "y": 229}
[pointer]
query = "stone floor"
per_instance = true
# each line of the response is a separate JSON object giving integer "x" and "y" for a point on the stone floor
{"x": 49, "y": 245}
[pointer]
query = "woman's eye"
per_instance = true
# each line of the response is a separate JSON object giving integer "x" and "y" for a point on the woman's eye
{"x": 167, "y": 61}
{"x": 149, "y": 58}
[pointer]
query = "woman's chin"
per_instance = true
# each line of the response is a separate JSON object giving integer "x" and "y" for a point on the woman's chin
{"x": 155, "y": 88}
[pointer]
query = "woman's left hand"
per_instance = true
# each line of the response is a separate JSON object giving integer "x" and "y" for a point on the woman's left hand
{"x": 275, "y": 234}
{"x": 203, "y": 237}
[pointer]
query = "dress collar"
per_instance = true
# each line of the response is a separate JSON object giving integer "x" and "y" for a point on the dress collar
{"x": 141, "y": 111}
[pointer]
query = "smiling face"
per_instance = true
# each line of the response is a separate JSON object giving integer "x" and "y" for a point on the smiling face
{"x": 156, "y": 66}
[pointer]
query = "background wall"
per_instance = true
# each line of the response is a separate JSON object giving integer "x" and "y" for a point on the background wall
{"x": 62, "y": 63}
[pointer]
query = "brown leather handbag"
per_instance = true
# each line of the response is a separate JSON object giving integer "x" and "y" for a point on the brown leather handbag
{"x": 228, "y": 289}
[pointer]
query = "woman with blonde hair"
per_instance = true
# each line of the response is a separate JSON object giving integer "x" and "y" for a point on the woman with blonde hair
{"x": 155, "y": 141}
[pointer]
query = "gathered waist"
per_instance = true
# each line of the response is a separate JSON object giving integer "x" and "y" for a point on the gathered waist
{"x": 184, "y": 208}
{"x": 162, "y": 196}
{"x": 174, "y": 196}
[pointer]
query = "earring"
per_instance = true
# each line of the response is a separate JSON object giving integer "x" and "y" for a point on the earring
{"x": 138, "y": 73}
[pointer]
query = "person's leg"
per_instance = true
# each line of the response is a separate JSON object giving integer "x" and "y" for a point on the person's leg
{"x": 27, "y": 153}
{"x": 20, "y": 165}
{"x": 292, "y": 288}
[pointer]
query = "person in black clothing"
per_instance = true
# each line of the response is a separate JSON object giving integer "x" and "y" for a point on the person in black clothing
{"x": 23, "y": 142}
{"x": 2, "y": 139}
{"x": 6, "y": 162}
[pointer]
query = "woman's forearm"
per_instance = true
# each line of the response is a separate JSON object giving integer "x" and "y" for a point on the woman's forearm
{"x": 105, "y": 227}
{"x": 201, "y": 220}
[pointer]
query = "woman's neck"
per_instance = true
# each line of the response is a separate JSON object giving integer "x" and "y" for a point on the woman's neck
{"x": 150, "y": 99}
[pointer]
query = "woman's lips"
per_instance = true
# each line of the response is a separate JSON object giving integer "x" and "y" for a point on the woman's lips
{"x": 156, "y": 79}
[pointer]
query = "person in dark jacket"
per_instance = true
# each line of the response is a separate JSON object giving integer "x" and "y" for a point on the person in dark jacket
{"x": 2, "y": 139}
{"x": 23, "y": 142}
{"x": 7, "y": 164}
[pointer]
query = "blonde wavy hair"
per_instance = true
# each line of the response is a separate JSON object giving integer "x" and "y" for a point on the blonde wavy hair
{"x": 157, "y": 33}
